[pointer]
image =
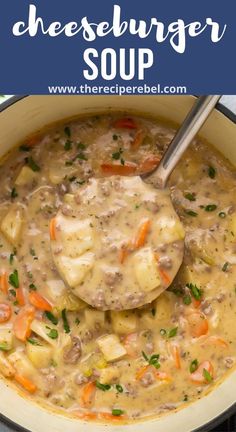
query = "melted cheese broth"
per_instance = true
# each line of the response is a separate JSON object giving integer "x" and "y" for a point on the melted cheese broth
{"x": 115, "y": 365}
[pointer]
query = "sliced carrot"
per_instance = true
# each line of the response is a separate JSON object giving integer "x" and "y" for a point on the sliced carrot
{"x": 148, "y": 164}
{"x": 88, "y": 415}
{"x": 38, "y": 301}
{"x": 5, "y": 312}
{"x": 123, "y": 253}
{"x": 198, "y": 324}
{"x": 4, "y": 282}
{"x": 20, "y": 296}
{"x": 32, "y": 141}
{"x": 196, "y": 303}
{"x": 26, "y": 383}
{"x": 23, "y": 321}
{"x": 111, "y": 417}
{"x": 176, "y": 356}
{"x": 141, "y": 372}
{"x": 125, "y": 123}
{"x": 116, "y": 169}
{"x": 52, "y": 229}
{"x": 216, "y": 340}
{"x": 165, "y": 277}
{"x": 142, "y": 234}
{"x": 138, "y": 139}
{"x": 198, "y": 376}
{"x": 88, "y": 393}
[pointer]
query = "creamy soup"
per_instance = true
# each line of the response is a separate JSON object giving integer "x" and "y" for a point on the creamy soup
{"x": 62, "y": 242}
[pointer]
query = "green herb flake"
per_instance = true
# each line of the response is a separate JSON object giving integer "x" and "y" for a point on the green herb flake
{"x": 122, "y": 161}
{"x": 207, "y": 375}
{"x": 32, "y": 287}
{"x": 103, "y": 387}
{"x": 14, "y": 193}
{"x": 33, "y": 342}
{"x": 117, "y": 412}
{"x": 190, "y": 212}
{"x": 115, "y": 137}
{"x": 77, "y": 321}
{"x": 187, "y": 299}
{"x": 153, "y": 360}
{"x": 69, "y": 163}
{"x": 32, "y": 252}
{"x": 12, "y": 255}
{"x": 12, "y": 292}
{"x": 195, "y": 291}
{"x": 14, "y": 279}
{"x": 119, "y": 388}
{"x": 185, "y": 399}
{"x": 67, "y": 131}
{"x": 72, "y": 179}
{"x": 193, "y": 366}
{"x": 65, "y": 321}
{"x": 51, "y": 317}
{"x": 173, "y": 332}
{"x": 68, "y": 145}
{"x": 53, "y": 363}
{"x": 81, "y": 146}
{"x": 117, "y": 155}
{"x": 4, "y": 346}
{"x": 211, "y": 172}
{"x": 81, "y": 156}
{"x": 32, "y": 164}
{"x": 225, "y": 267}
{"x": 190, "y": 196}
{"x": 53, "y": 334}
{"x": 24, "y": 148}
{"x": 222, "y": 215}
{"x": 153, "y": 312}
{"x": 210, "y": 207}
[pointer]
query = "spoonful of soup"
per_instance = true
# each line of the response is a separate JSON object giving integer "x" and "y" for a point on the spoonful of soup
{"x": 122, "y": 243}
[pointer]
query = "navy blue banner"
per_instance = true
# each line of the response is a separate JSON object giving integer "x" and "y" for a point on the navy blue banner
{"x": 117, "y": 47}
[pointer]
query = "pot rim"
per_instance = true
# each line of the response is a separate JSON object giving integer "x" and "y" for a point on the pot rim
{"x": 14, "y": 427}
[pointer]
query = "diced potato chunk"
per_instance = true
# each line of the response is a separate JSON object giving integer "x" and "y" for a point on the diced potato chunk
{"x": 70, "y": 302}
{"x": 5, "y": 367}
{"x": 41, "y": 329}
{"x": 111, "y": 347}
{"x": 76, "y": 236}
{"x": 145, "y": 269}
{"x": 57, "y": 173}
{"x": 6, "y": 337}
{"x": 94, "y": 360}
{"x": 123, "y": 322}
{"x": 56, "y": 288}
{"x": 40, "y": 356}
{"x": 94, "y": 318}
{"x": 109, "y": 375}
{"x": 169, "y": 229}
{"x": 164, "y": 307}
{"x": 22, "y": 364}
{"x": 11, "y": 225}
{"x": 26, "y": 176}
{"x": 74, "y": 270}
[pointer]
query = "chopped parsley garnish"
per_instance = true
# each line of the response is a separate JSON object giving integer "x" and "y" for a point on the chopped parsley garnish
{"x": 12, "y": 292}
{"x": 53, "y": 334}
{"x": 222, "y": 215}
{"x": 115, "y": 137}
{"x": 211, "y": 172}
{"x": 51, "y": 317}
{"x": 103, "y": 387}
{"x": 14, "y": 279}
{"x": 225, "y": 266}
{"x": 119, "y": 388}
{"x": 207, "y": 375}
{"x": 32, "y": 164}
{"x": 67, "y": 131}
{"x": 117, "y": 155}
{"x": 81, "y": 156}
{"x": 68, "y": 145}
{"x": 172, "y": 332}
{"x": 185, "y": 399}
{"x": 12, "y": 255}
{"x": 4, "y": 346}
{"x": 153, "y": 360}
{"x": 33, "y": 342}
{"x": 65, "y": 321}
{"x": 190, "y": 212}
{"x": 14, "y": 193}
{"x": 195, "y": 291}
{"x": 77, "y": 321}
{"x": 32, "y": 287}
{"x": 24, "y": 148}
{"x": 187, "y": 299}
{"x": 190, "y": 196}
{"x": 81, "y": 146}
{"x": 153, "y": 312}
{"x": 193, "y": 366}
{"x": 32, "y": 252}
{"x": 210, "y": 207}
{"x": 72, "y": 179}
{"x": 117, "y": 412}
{"x": 68, "y": 163}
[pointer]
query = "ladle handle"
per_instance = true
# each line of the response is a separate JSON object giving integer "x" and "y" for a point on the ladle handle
{"x": 187, "y": 131}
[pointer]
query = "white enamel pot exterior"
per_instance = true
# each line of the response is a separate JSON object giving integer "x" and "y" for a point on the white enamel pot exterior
{"x": 19, "y": 117}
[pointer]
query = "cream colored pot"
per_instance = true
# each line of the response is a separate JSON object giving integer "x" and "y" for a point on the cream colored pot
{"x": 21, "y": 116}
